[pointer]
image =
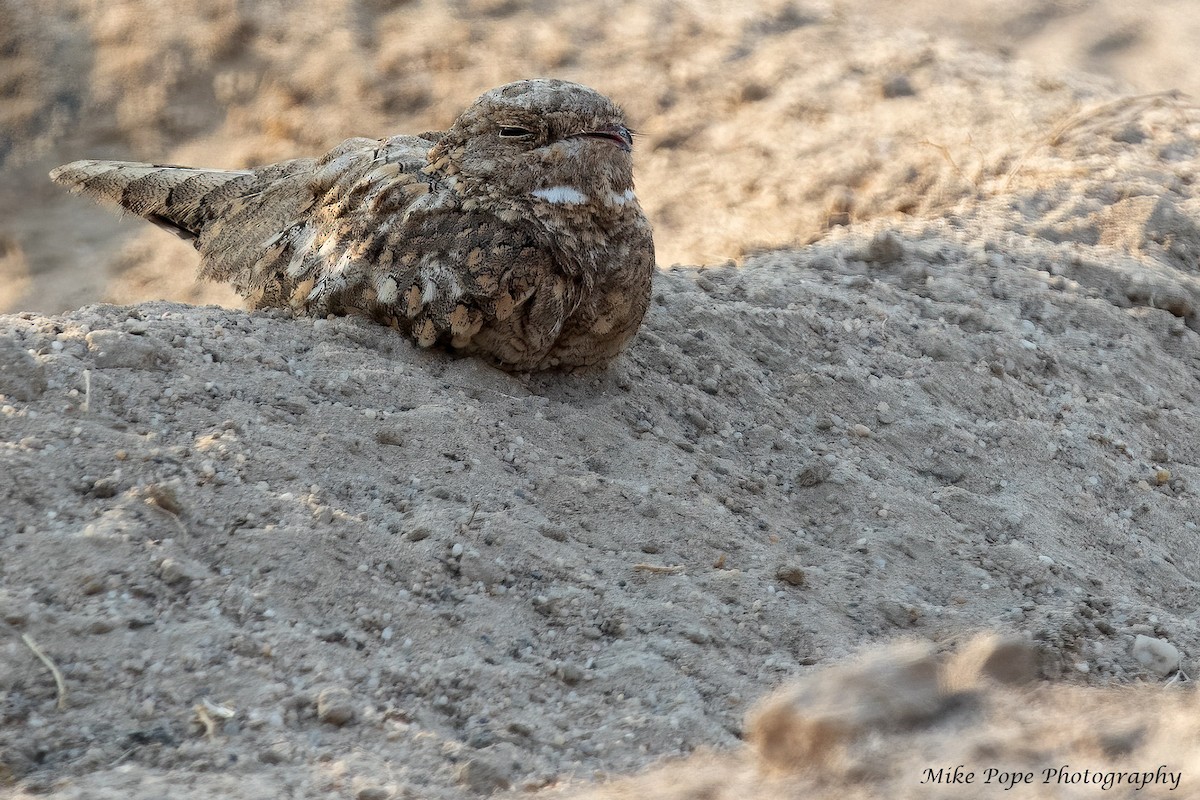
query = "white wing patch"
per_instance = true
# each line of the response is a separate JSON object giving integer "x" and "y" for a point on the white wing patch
{"x": 561, "y": 195}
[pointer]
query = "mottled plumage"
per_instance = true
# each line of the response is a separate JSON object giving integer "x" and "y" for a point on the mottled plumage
{"x": 515, "y": 235}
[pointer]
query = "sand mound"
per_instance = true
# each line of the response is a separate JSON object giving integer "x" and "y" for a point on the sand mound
{"x": 288, "y": 557}
{"x": 899, "y": 432}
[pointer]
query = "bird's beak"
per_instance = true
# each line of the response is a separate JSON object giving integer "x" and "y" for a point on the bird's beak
{"x": 617, "y": 134}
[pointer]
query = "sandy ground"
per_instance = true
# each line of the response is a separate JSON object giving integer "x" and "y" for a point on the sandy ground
{"x": 948, "y": 387}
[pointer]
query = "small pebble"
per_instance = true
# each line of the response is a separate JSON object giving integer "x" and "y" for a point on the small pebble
{"x": 1157, "y": 655}
{"x": 334, "y": 708}
{"x": 180, "y": 573}
{"x": 482, "y": 776}
{"x": 812, "y": 475}
{"x": 418, "y": 533}
{"x": 570, "y": 674}
{"x": 105, "y": 487}
{"x": 164, "y": 496}
{"x": 271, "y": 755}
{"x": 791, "y": 574}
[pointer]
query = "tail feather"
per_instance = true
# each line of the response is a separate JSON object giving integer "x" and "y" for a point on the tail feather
{"x": 229, "y": 215}
{"x": 177, "y": 198}
{"x": 272, "y": 231}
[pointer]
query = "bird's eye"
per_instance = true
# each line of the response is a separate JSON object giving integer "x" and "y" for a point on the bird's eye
{"x": 514, "y": 132}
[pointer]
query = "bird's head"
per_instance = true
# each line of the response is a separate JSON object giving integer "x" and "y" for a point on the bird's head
{"x": 557, "y": 147}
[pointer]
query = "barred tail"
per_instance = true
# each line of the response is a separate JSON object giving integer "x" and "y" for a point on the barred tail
{"x": 179, "y": 199}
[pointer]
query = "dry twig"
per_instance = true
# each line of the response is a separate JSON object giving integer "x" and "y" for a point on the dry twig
{"x": 658, "y": 569}
{"x": 50, "y": 665}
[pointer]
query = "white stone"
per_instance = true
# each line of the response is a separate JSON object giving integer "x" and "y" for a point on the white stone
{"x": 1156, "y": 655}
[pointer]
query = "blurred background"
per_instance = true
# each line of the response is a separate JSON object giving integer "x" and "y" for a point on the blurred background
{"x": 763, "y": 123}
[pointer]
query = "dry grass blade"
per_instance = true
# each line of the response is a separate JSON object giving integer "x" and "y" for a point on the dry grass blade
{"x": 50, "y": 665}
